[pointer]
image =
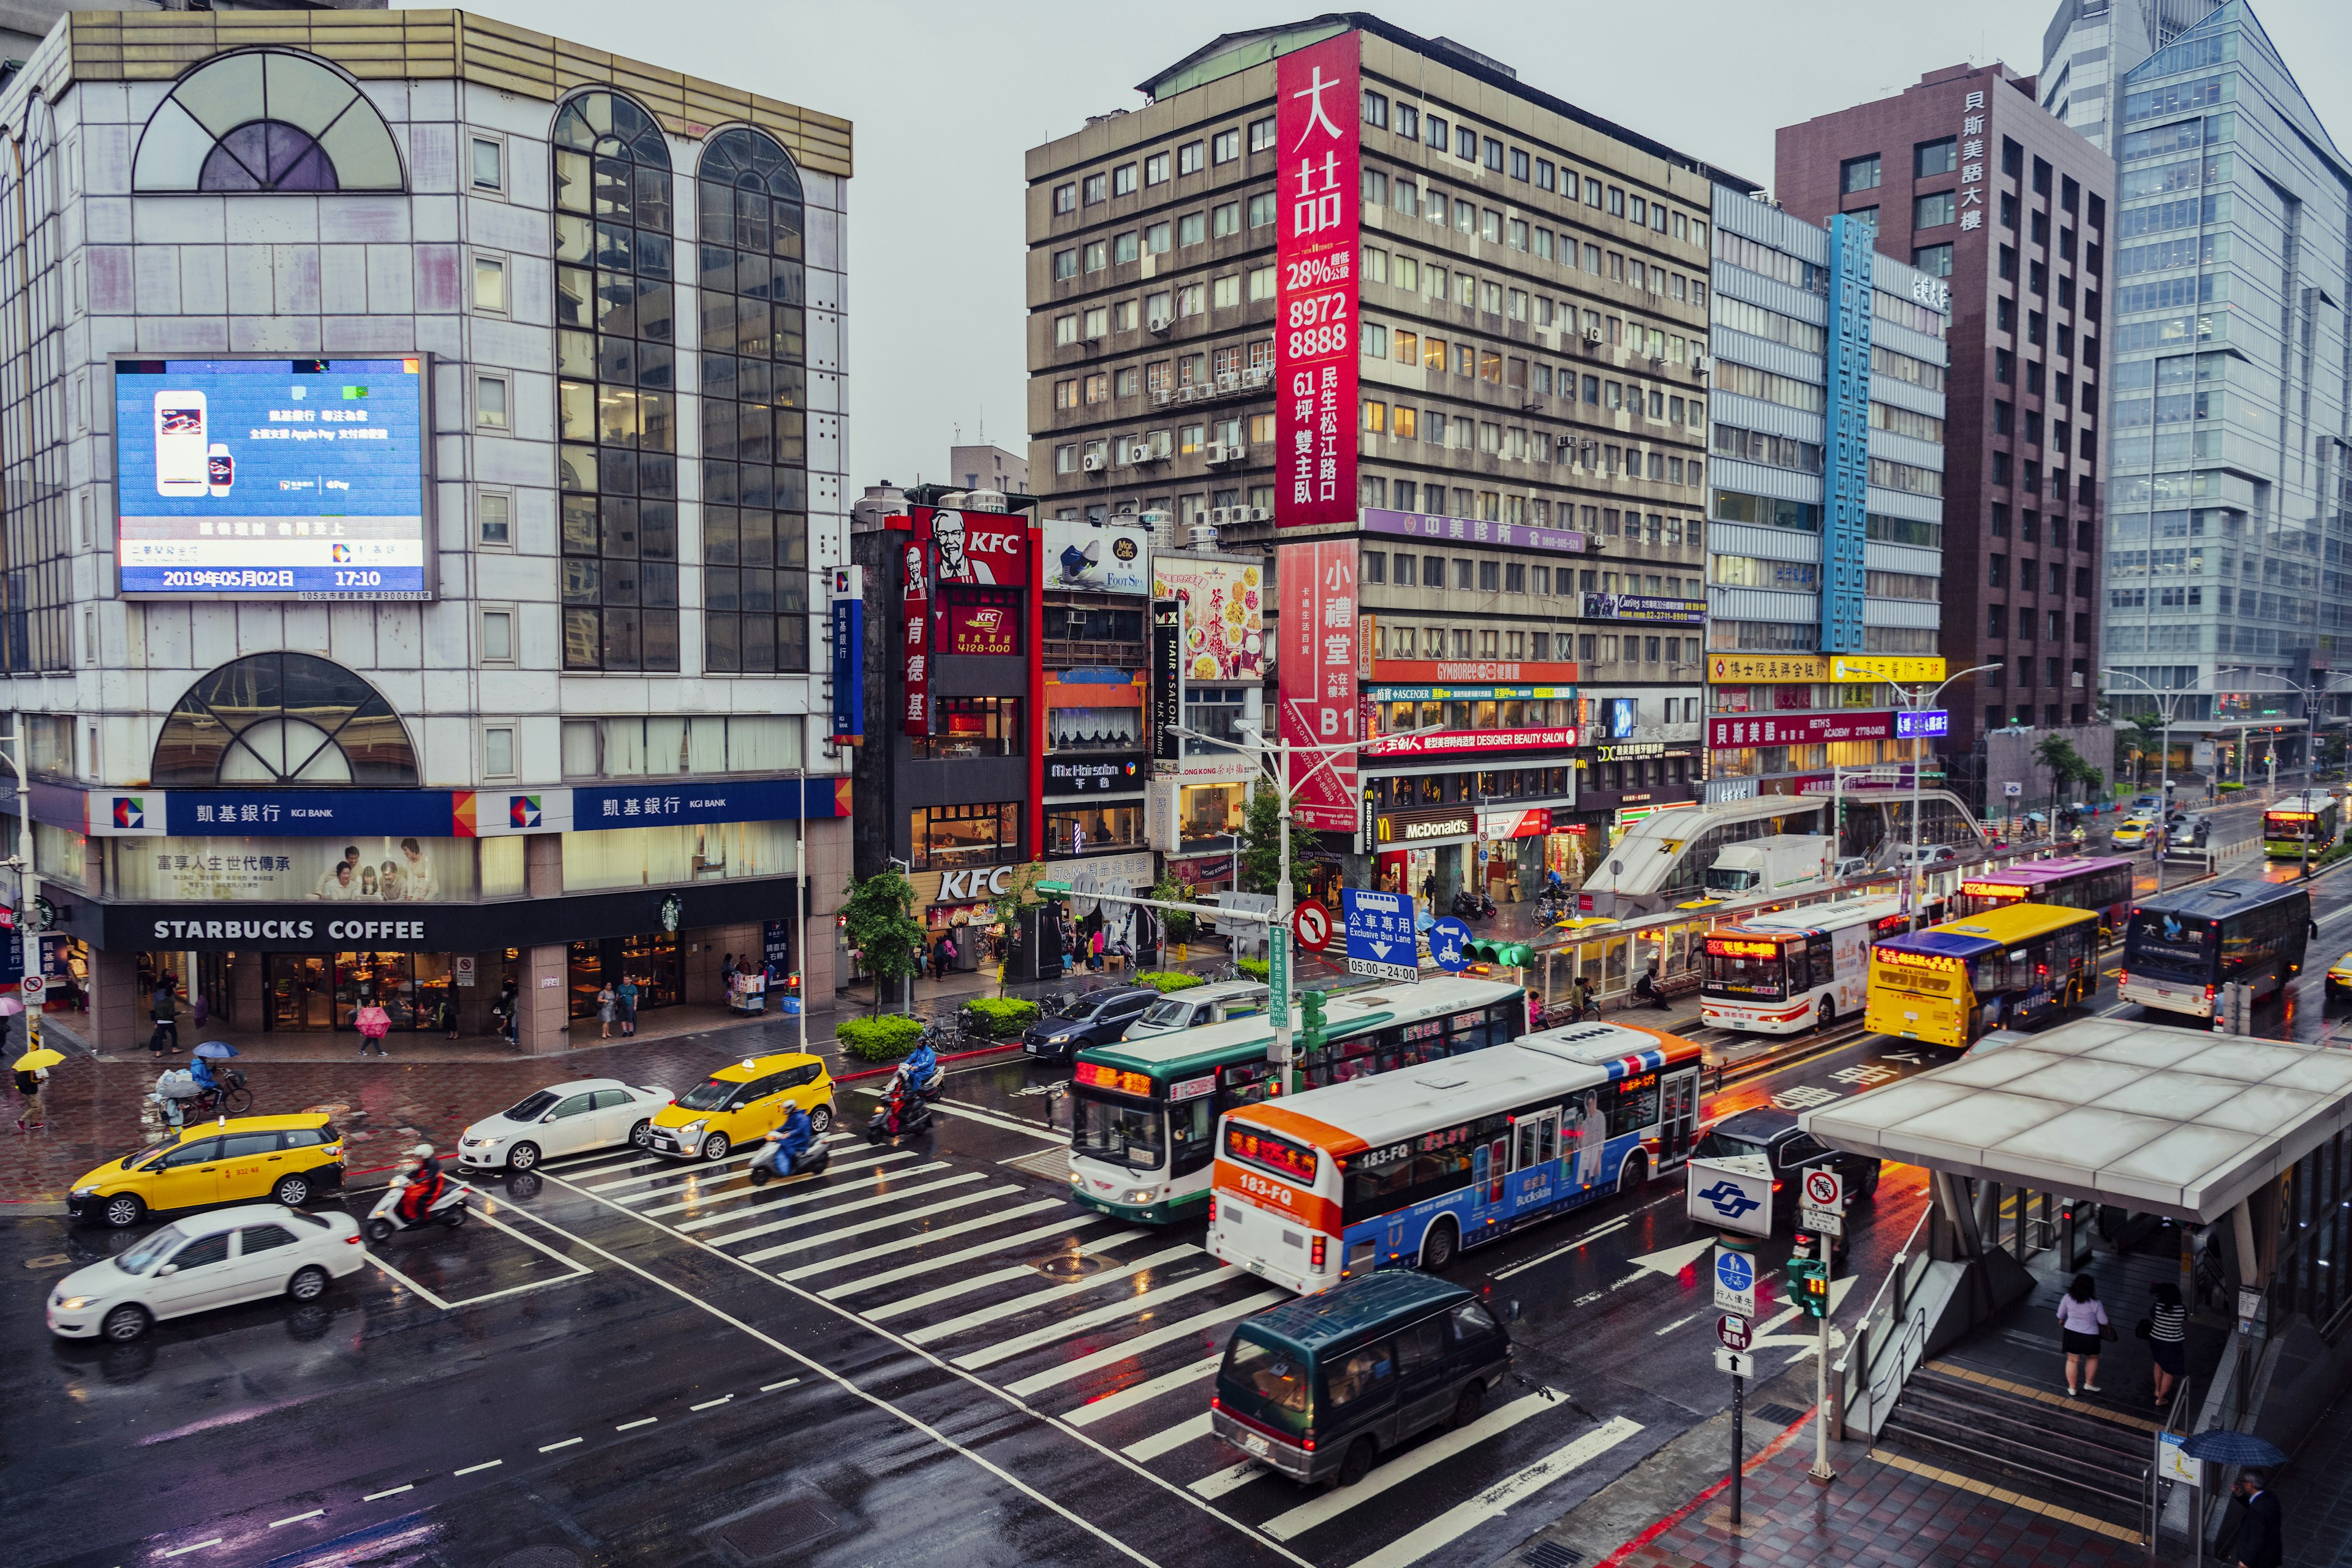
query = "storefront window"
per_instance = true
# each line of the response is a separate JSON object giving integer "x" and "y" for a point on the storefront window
{"x": 1094, "y": 828}
{"x": 61, "y": 855}
{"x": 943, "y": 837}
{"x": 1209, "y": 812}
{"x": 367, "y": 870}
{"x": 973, "y": 727}
{"x": 651, "y": 959}
{"x": 1094, "y": 729}
{"x": 685, "y": 852}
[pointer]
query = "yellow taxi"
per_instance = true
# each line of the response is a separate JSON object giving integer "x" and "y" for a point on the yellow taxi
{"x": 2339, "y": 978}
{"x": 742, "y": 1103}
{"x": 2133, "y": 829}
{"x": 234, "y": 1160}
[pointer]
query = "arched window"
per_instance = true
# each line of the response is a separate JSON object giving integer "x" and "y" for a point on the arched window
{"x": 616, "y": 391}
{"x": 266, "y": 120}
{"x": 754, "y": 395}
{"x": 282, "y": 719}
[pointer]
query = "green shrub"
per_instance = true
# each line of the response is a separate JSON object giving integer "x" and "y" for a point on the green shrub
{"x": 999, "y": 1017}
{"x": 2228, "y": 786}
{"x": 1255, "y": 968}
{"x": 882, "y": 1039}
{"x": 1166, "y": 980}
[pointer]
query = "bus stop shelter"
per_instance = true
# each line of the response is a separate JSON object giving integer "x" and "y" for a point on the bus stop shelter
{"x": 2175, "y": 1123}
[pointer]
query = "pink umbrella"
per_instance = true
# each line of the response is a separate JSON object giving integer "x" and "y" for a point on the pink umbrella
{"x": 10, "y": 1005}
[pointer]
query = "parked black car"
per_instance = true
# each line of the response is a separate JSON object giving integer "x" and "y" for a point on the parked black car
{"x": 1773, "y": 1134}
{"x": 1097, "y": 1018}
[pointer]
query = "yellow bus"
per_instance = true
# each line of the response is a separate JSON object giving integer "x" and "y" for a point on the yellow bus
{"x": 1952, "y": 984}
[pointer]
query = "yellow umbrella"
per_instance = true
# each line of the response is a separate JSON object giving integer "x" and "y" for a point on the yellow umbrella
{"x": 44, "y": 1057}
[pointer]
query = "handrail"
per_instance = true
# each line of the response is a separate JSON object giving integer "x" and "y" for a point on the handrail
{"x": 1914, "y": 1331}
{"x": 1902, "y": 1256}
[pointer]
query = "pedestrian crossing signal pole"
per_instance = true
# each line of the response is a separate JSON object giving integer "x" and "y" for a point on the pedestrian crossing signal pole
{"x": 1809, "y": 1284}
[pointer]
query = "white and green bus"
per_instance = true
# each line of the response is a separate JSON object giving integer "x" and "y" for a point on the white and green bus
{"x": 1143, "y": 1116}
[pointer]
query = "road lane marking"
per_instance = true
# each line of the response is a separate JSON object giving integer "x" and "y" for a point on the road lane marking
{"x": 1071, "y": 1371}
{"x": 469, "y": 1469}
{"x": 974, "y": 1113}
{"x": 1035, "y": 1299}
{"x": 396, "y": 1491}
{"x": 1404, "y": 1468}
{"x": 640, "y": 1421}
{"x": 1126, "y": 1398}
{"x": 800, "y": 1216}
{"x": 771, "y": 1387}
{"x": 961, "y": 1200}
{"x": 551, "y": 1447}
{"x": 1191, "y": 1429}
{"x": 1677, "y": 1324}
{"x": 1608, "y": 1229}
{"x": 196, "y": 1546}
{"x": 747, "y": 1189}
{"x": 299, "y": 1518}
{"x": 963, "y": 1227}
{"x": 994, "y": 1276}
{"x": 799, "y": 1203}
{"x": 1232, "y": 1479}
{"x": 677, "y": 1165}
{"x": 707, "y": 1403}
{"x": 1496, "y": 1499}
{"x": 1053, "y": 1333}
{"x": 980, "y": 1462}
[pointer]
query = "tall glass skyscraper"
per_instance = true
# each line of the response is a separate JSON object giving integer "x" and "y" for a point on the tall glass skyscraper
{"x": 2228, "y": 551}
{"x": 2091, "y": 46}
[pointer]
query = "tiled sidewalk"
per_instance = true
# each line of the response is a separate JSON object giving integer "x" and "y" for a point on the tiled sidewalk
{"x": 1875, "y": 1514}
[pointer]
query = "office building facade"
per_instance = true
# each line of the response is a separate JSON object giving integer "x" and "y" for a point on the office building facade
{"x": 2090, "y": 44}
{"x": 2225, "y": 581}
{"x": 1529, "y": 435}
{"x": 1825, "y": 562}
{"x": 1964, "y": 177}
{"x": 409, "y": 547}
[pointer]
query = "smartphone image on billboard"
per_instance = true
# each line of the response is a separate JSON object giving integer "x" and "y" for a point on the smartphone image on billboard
{"x": 220, "y": 469}
{"x": 181, "y": 466}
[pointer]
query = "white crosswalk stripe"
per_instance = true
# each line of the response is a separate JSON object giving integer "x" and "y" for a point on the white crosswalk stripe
{"x": 953, "y": 1256}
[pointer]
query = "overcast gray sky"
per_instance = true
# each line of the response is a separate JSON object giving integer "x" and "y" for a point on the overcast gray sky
{"x": 947, "y": 97}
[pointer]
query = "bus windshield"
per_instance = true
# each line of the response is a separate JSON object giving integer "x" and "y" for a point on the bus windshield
{"x": 2289, "y": 825}
{"x": 1744, "y": 966}
{"x": 2161, "y": 941}
{"x": 1977, "y": 897}
{"x": 1135, "y": 1136}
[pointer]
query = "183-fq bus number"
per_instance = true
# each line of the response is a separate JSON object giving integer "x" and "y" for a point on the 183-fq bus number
{"x": 1319, "y": 325}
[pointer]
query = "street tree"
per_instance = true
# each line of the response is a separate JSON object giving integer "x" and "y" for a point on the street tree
{"x": 1261, "y": 868}
{"x": 880, "y": 920}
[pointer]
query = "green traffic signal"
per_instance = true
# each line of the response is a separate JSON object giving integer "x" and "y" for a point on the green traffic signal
{"x": 1310, "y": 1016}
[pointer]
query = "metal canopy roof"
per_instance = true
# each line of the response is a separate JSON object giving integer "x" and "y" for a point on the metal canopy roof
{"x": 2162, "y": 1121}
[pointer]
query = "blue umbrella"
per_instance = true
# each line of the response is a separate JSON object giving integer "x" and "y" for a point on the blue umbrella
{"x": 218, "y": 1050}
{"x": 2229, "y": 1447}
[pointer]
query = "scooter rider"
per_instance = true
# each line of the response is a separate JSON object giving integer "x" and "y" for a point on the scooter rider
{"x": 424, "y": 1184}
{"x": 922, "y": 1068}
{"x": 793, "y": 1139}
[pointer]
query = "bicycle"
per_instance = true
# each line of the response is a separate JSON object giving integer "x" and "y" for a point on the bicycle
{"x": 229, "y": 1098}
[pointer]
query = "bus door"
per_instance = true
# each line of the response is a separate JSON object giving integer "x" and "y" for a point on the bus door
{"x": 1678, "y": 1117}
{"x": 1489, "y": 1176}
{"x": 1534, "y": 1160}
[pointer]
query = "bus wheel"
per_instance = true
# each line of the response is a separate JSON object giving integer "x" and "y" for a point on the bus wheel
{"x": 1824, "y": 1015}
{"x": 1631, "y": 1172}
{"x": 1437, "y": 1247}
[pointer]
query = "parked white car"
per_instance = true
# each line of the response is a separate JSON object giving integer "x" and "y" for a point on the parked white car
{"x": 249, "y": 1253}
{"x": 562, "y": 1119}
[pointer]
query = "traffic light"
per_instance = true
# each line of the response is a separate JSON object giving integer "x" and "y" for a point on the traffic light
{"x": 1311, "y": 1017}
{"x": 1507, "y": 954}
{"x": 1809, "y": 1286}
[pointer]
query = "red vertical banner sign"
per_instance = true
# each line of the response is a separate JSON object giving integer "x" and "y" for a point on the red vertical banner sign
{"x": 1318, "y": 675}
{"x": 915, "y": 606}
{"x": 1318, "y": 127}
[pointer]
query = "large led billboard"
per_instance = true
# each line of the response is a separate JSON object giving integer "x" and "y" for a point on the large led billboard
{"x": 261, "y": 478}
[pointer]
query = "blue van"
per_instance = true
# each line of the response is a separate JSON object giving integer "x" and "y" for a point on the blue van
{"x": 1322, "y": 1386}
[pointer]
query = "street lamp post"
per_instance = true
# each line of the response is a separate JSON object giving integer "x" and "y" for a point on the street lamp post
{"x": 2165, "y": 700}
{"x": 28, "y": 885}
{"x": 1918, "y": 705}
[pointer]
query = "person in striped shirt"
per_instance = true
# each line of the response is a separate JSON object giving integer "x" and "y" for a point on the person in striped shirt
{"x": 2167, "y": 1339}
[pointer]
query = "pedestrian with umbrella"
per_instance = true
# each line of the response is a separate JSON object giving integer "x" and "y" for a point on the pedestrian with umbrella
{"x": 32, "y": 1071}
{"x": 374, "y": 1023}
{"x": 2259, "y": 1540}
{"x": 10, "y": 1005}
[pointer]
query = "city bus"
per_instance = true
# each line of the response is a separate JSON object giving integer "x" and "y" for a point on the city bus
{"x": 1775, "y": 975}
{"x": 2300, "y": 826}
{"x": 1406, "y": 1169}
{"x": 1953, "y": 984}
{"x": 1143, "y": 1113}
{"x": 2101, "y": 883}
{"x": 2182, "y": 947}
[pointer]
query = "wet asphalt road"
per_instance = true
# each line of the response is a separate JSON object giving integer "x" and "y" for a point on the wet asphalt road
{"x": 929, "y": 1357}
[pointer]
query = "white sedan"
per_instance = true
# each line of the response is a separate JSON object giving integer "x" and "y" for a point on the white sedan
{"x": 562, "y": 1119}
{"x": 249, "y": 1253}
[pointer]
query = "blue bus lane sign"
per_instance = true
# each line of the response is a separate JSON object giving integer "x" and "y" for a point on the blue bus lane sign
{"x": 1380, "y": 930}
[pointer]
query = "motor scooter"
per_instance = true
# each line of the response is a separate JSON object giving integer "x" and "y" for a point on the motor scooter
{"x": 902, "y": 1113}
{"x": 765, "y": 1165}
{"x": 386, "y": 1219}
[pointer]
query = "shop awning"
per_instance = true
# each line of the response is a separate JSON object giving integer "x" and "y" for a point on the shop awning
{"x": 2171, "y": 1121}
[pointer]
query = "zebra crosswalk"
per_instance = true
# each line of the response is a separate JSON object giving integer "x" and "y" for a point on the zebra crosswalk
{"x": 1114, "y": 1332}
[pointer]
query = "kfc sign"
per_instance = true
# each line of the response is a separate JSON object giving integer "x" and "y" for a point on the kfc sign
{"x": 988, "y": 548}
{"x": 914, "y": 614}
{"x": 981, "y": 627}
{"x": 1319, "y": 167}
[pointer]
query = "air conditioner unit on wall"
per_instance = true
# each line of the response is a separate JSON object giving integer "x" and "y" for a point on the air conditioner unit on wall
{"x": 1092, "y": 462}
{"x": 1592, "y": 334}
{"x": 1216, "y": 453}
